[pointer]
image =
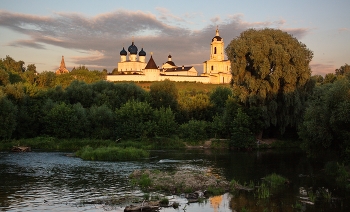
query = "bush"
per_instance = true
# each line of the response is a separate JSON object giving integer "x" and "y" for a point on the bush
{"x": 275, "y": 180}
{"x": 194, "y": 130}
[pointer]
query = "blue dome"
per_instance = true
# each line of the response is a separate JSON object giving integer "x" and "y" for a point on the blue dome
{"x": 142, "y": 53}
{"x": 123, "y": 52}
{"x": 132, "y": 49}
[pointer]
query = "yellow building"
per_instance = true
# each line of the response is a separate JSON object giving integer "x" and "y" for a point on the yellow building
{"x": 217, "y": 68}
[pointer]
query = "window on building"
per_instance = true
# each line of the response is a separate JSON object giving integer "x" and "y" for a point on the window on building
{"x": 212, "y": 67}
{"x": 214, "y": 50}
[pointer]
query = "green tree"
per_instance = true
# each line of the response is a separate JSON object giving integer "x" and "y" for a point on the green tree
{"x": 164, "y": 94}
{"x": 30, "y": 77}
{"x": 46, "y": 79}
{"x": 194, "y": 106}
{"x": 241, "y": 135}
{"x": 4, "y": 77}
{"x": 270, "y": 69}
{"x": 326, "y": 122}
{"x": 15, "y": 92}
{"x": 12, "y": 65}
{"x": 342, "y": 70}
{"x": 81, "y": 124}
{"x": 102, "y": 122}
{"x": 114, "y": 95}
{"x": 166, "y": 125}
{"x": 194, "y": 130}
{"x": 135, "y": 120}
{"x": 31, "y": 68}
{"x": 8, "y": 114}
{"x": 28, "y": 117}
{"x": 218, "y": 98}
{"x": 329, "y": 78}
{"x": 80, "y": 92}
{"x": 59, "y": 121}
{"x": 318, "y": 78}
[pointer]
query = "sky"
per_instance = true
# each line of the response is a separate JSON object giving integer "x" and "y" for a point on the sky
{"x": 93, "y": 32}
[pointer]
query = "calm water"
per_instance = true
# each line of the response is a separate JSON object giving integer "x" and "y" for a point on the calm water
{"x": 53, "y": 181}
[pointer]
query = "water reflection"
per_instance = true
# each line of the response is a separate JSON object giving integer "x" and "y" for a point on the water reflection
{"x": 53, "y": 181}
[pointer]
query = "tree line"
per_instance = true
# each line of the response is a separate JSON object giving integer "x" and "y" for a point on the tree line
{"x": 272, "y": 94}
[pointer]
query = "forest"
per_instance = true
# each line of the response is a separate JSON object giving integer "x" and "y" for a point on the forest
{"x": 263, "y": 101}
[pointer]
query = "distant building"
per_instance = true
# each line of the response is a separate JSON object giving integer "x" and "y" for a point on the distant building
{"x": 169, "y": 68}
{"x": 62, "y": 69}
{"x": 216, "y": 70}
{"x": 217, "y": 67}
{"x": 133, "y": 64}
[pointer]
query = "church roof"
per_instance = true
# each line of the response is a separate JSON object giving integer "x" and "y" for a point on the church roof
{"x": 123, "y": 52}
{"x": 142, "y": 53}
{"x": 151, "y": 64}
{"x": 177, "y": 69}
{"x": 171, "y": 63}
{"x": 132, "y": 48}
{"x": 217, "y": 36}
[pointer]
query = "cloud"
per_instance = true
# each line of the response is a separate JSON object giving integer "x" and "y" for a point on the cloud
{"x": 99, "y": 39}
{"x": 27, "y": 43}
{"x": 215, "y": 19}
{"x": 321, "y": 68}
{"x": 344, "y": 30}
{"x": 165, "y": 15}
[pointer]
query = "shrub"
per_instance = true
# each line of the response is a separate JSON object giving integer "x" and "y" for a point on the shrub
{"x": 275, "y": 180}
{"x": 194, "y": 130}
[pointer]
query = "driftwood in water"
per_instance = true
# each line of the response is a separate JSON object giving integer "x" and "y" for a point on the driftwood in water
{"x": 21, "y": 149}
{"x": 146, "y": 208}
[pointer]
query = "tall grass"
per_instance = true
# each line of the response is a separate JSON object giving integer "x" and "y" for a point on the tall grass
{"x": 111, "y": 153}
{"x": 275, "y": 180}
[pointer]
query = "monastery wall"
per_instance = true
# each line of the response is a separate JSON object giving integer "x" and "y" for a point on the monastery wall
{"x": 157, "y": 77}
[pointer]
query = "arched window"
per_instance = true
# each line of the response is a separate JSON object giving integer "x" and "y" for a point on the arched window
{"x": 212, "y": 67}
{"x": 214, "y": 50}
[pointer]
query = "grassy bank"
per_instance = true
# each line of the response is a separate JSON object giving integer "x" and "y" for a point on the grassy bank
{"x": 54, "y": 144}
{"x": 111, "y": 153}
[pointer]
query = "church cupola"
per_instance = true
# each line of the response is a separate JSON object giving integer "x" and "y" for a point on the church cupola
{"x": 133, "y": 52}
{"x": 132, "y": 48}
{"x": 142, "y": 53}
{"x": 123, "y": 52}
{"x": 142, "y": 56}
{"x": 217, "y": 36}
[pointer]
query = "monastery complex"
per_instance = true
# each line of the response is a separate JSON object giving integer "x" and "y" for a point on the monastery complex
{"x": 133, "y": 67}
{"x": 216, "y": 70}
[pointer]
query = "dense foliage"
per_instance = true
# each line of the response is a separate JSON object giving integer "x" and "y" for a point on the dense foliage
{"x": 326, "y": 124}
{"x": 270, "y": 69}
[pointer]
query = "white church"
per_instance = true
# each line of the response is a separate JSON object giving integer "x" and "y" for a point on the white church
{"x": 216, "y": 70}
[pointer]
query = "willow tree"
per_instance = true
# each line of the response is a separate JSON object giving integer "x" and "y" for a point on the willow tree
{"x": 270, "y": 69}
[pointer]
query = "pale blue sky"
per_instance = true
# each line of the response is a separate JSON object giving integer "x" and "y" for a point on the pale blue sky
{"x": 92, "y": 32}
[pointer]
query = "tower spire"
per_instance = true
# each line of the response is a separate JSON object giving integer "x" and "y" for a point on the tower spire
{"x": 217, "y": 30}
{"x": 63, "y": 64}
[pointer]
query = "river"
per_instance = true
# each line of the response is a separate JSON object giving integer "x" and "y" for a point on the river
{"x": 56, "y": 181}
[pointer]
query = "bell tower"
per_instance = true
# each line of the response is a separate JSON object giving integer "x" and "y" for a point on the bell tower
{"x": 217, "y": 47}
